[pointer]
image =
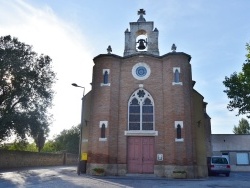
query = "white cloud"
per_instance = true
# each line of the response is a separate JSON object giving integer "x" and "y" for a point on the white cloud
{"x": 64, "y": 43}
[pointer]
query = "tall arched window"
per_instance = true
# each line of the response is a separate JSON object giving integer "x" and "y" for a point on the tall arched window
{"x": 141, "y": 111}
{"x": 103, "y": 130}
{"x": 178, "y": 130}
{"x": 176, "y": 76}
{"x": 106, "y": 77}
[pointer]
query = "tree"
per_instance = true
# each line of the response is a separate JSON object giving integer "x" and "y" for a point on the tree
{"x": 238, "y": 88}
{"x": 19, "y": 145}
{"x": 49, "y": 146}
{"x": 40, "y": 140}
{"x": 26, "y": 81}
{"x": 68, "y": 140}
{"x": 31, "y": 147}
{"x": 243, "y": 127}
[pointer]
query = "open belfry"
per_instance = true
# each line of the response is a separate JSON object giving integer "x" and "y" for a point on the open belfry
{"x": 143, "y": 115}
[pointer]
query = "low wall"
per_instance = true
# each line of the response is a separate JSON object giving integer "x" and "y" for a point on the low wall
{"x": 71, "y": 159}
{"x": 15, "y": 159}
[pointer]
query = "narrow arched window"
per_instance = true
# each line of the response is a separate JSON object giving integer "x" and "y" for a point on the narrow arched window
{"x": 134, "y": 115}
{"x": 103, "y": 130}
{"x": 176, "y": 76}
{"x": 105, "y": 77}
{"x": 178, "y": 130}
{"x": 147, "y": 115}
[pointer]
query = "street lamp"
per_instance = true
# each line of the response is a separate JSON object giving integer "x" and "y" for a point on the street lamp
{"x": 79, "y": 169}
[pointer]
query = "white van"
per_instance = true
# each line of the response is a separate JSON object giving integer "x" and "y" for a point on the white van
{"x": 218, "y": 165}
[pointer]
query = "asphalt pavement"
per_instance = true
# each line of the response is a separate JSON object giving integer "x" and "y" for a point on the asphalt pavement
{"x": 66, "y": 176}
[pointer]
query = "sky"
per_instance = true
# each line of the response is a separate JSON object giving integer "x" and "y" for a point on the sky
{"x": 73, "y": 32}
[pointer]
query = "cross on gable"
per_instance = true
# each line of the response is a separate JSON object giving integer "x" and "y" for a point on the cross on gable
{"x": 141, "y": 12}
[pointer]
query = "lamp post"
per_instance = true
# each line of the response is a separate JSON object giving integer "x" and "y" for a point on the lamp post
{"x": 83, "y": 164}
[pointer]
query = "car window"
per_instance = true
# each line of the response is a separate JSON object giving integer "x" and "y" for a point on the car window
{"x": 219, "y": 160}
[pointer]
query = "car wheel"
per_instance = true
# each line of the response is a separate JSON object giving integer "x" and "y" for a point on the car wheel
{"x": 227, "y": 174}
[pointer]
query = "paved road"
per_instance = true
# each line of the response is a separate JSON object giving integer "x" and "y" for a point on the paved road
{"x": 60, "y": 177}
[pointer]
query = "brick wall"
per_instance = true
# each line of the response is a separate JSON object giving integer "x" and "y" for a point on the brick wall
{"x": 172, "y": 103}
{"x": 15, "y": 159}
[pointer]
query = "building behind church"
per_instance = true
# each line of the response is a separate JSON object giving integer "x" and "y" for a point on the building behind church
{"x": 143, "y": 115}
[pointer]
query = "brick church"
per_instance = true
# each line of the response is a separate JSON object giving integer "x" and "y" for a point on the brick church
{"x": 143, "y": 115}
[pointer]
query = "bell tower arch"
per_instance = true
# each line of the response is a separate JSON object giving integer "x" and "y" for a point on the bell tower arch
{"x": 142, "y": 37}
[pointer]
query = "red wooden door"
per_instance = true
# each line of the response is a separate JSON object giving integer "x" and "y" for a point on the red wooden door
{"x": 147, "y": 154}
{"x": 134, "y": 155}
{"x": 140, "y": 154}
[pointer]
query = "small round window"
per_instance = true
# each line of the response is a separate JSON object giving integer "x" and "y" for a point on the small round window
{"x": 141, "y": 71}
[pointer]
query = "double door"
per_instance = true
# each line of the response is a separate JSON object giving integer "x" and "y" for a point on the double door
{"x": 141, "y": 155}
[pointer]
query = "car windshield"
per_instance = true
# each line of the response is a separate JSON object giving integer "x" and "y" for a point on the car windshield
{"x": 219, "y": 160}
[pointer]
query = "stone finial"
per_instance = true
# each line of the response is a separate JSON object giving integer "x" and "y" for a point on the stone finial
{"x": 141, "y": 12}
{"x": 173, "y": 48}
{"x": 109, "y": 49}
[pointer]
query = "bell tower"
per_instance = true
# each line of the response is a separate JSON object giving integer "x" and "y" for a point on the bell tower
{"x": 142, "y": 37}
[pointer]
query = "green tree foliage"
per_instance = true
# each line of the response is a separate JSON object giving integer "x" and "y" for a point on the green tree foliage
{"x": 20, "y": 145}
{"x": 242, "y": 128}
{"x": 26, "y": 80}
{"x": 31, "y": 147}
{"x": 40, "y": 140}
{"x": 49, "y": 146}
{"x": 68, "y": 140}
{"x": 238, "y": 88}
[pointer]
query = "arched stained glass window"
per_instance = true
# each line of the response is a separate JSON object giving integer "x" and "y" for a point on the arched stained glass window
{"x": 141, "y": 111}
{"x": 134, "y": 115}
{"x": 147, "y": 115}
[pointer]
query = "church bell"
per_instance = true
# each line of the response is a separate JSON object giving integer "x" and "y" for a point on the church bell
{"x": 142, "y": 44}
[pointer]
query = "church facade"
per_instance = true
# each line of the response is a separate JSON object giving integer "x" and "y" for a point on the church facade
{"x": 143, "y": 115}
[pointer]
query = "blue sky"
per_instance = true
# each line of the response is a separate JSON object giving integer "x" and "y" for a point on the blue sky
{"x": 73, "y": 32}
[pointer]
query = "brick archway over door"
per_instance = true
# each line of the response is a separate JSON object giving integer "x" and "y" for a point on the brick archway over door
{"x": 141, "y": 155}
